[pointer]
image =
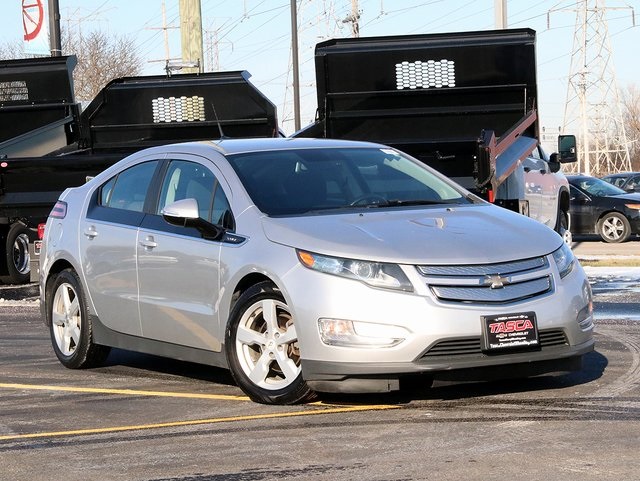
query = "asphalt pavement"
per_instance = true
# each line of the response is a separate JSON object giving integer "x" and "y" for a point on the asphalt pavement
{"x": 592, "y": 247}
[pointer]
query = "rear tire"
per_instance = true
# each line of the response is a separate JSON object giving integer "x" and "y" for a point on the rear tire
{"x": 70, "y": 325}
{"x": 262, "y": 351}
{"x": 17, "y": 255}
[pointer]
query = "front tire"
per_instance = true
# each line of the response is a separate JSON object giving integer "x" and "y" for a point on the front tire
{"x": 562, "y": 227}
{"x": 70, "y": 325}
{"x": 262, "y": 351}
{"x": 614, "y": 228}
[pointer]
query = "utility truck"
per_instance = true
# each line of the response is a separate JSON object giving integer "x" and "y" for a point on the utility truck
{"x": 463, "y": 103}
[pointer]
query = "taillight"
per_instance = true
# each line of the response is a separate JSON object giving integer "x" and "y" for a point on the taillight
{"x": 41, "y": 231}
{"x": 59, "y": 210}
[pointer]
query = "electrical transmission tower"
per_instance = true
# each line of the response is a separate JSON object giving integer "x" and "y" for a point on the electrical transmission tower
{"x": 593, "y": 109}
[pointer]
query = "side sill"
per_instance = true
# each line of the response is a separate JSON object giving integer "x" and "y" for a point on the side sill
{"x": 107, "y": 337}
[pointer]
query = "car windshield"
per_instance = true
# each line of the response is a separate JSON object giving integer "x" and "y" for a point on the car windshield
{"x": 291, "y": 182}
{"x": 597, "y": 187}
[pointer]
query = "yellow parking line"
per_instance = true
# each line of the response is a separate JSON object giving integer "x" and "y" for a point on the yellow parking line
{"x": 126, "y": 392}
{"x": 195, "y": 422}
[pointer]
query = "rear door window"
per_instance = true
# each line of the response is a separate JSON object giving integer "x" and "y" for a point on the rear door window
{"x": 128, "y": 190}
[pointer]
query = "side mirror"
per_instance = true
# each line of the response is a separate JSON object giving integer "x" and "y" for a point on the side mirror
{"x": 184, "y": 213}
{"x": 567, "y": 148}
{"x": 554, "y": 163}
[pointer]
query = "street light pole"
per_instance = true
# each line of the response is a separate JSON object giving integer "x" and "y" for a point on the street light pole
{"x": 296, "y": 67}
{"x": 500, "y": 7}
{"x": 54, "y": 28}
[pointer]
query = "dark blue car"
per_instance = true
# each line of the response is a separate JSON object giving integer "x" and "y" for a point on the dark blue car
{"x": 598, "y": 207}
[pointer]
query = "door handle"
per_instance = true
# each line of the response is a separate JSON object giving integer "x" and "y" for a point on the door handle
{"x": 90, "y": 232}
{"x": 148, "y": 243}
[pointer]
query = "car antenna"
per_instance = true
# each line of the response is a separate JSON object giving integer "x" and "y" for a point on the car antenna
{"x": 215, "y": 114}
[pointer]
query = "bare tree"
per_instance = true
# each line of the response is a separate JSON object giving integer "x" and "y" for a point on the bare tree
{"x": 631, "y": 117}
{"x": 11, "y": 49}
{"x": 101, "y": 58}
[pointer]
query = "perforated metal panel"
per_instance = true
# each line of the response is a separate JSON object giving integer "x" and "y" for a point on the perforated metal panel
{"x": 178, "y": 109}
{"x": 14, "y": 91}
{"x": 424, "y": 75}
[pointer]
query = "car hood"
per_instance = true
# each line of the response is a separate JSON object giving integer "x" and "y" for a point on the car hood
{"x": 455, "y": 235}
{"x": 633, "y": 197}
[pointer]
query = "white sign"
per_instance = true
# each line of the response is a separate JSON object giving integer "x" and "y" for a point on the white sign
{"x": 35, "y": 24}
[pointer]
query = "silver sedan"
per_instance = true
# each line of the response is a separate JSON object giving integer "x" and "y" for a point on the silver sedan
{"x": 307, "y": 266}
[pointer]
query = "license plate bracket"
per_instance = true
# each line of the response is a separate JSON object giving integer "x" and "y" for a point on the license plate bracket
{"x": 505, "y": 332}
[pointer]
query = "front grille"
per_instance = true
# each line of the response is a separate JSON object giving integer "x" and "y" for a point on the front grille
{"x": 473, "y": 346}
{"x": 489, "y": 283}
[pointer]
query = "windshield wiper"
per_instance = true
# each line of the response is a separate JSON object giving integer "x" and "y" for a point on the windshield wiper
{"x": 398, "y": 202}
{"x": 380, "y": 203}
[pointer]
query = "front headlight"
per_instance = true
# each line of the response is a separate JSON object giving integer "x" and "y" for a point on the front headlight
{"x": 564, "y": 260}
{"x": 374, "y": 274}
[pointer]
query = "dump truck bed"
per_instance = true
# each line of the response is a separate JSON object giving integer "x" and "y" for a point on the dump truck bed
{"x": 430, "y": 95}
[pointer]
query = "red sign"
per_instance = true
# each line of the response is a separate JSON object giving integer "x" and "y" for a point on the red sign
{"x": 32, "y": 18}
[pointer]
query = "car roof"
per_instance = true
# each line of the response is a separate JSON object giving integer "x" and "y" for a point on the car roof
{"x": 236, "y": 146}
{"x": 620, "y": 174}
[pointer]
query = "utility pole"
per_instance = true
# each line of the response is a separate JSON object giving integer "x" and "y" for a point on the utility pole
{"x": 54, "y": 28}
{"x": 191, "y": 36}
{"x": 296, "y": 67}
{"x": 353, "y": 19}
{"x": 500, "y": 7}
{"x": 165, "y": 30}
{"x": 593, "y": 108}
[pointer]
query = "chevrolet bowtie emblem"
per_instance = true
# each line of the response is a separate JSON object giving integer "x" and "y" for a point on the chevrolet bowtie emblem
{"x": 495, "y": 281}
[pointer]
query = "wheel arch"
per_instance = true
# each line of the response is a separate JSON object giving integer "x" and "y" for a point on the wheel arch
{"x": 246, "y": 283}
{"x": 56, "y": 268}
{"x": 564, "y": 199}
{"x": 611, "y": 210}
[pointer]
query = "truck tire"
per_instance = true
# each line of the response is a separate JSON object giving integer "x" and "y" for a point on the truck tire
{"x": 17, "y": 254}
{"x": 562, "y": 227}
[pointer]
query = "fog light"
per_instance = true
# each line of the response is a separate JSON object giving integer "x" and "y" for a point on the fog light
{"x": 585, "y": 316}
{"x": 339, "y": 332}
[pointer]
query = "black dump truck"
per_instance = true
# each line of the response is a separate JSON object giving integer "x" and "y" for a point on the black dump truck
{"x": 48, "y": 143}
{"x": 463, "y": 103}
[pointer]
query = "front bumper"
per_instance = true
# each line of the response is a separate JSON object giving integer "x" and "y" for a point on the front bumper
{"x": 383, "y": 377}
{"x": 444, "y": 339}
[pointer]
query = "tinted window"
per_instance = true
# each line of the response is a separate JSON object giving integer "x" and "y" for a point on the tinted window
{"x": 292, "y": 182}
{"x": 576, "y": 194}
{"x": 595, "y": 186}
{"x": 633, "y": 183}
{"x": 128, "y": 190}
{"x": 617, "y": 181}
{"x": 190, "y": 180}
